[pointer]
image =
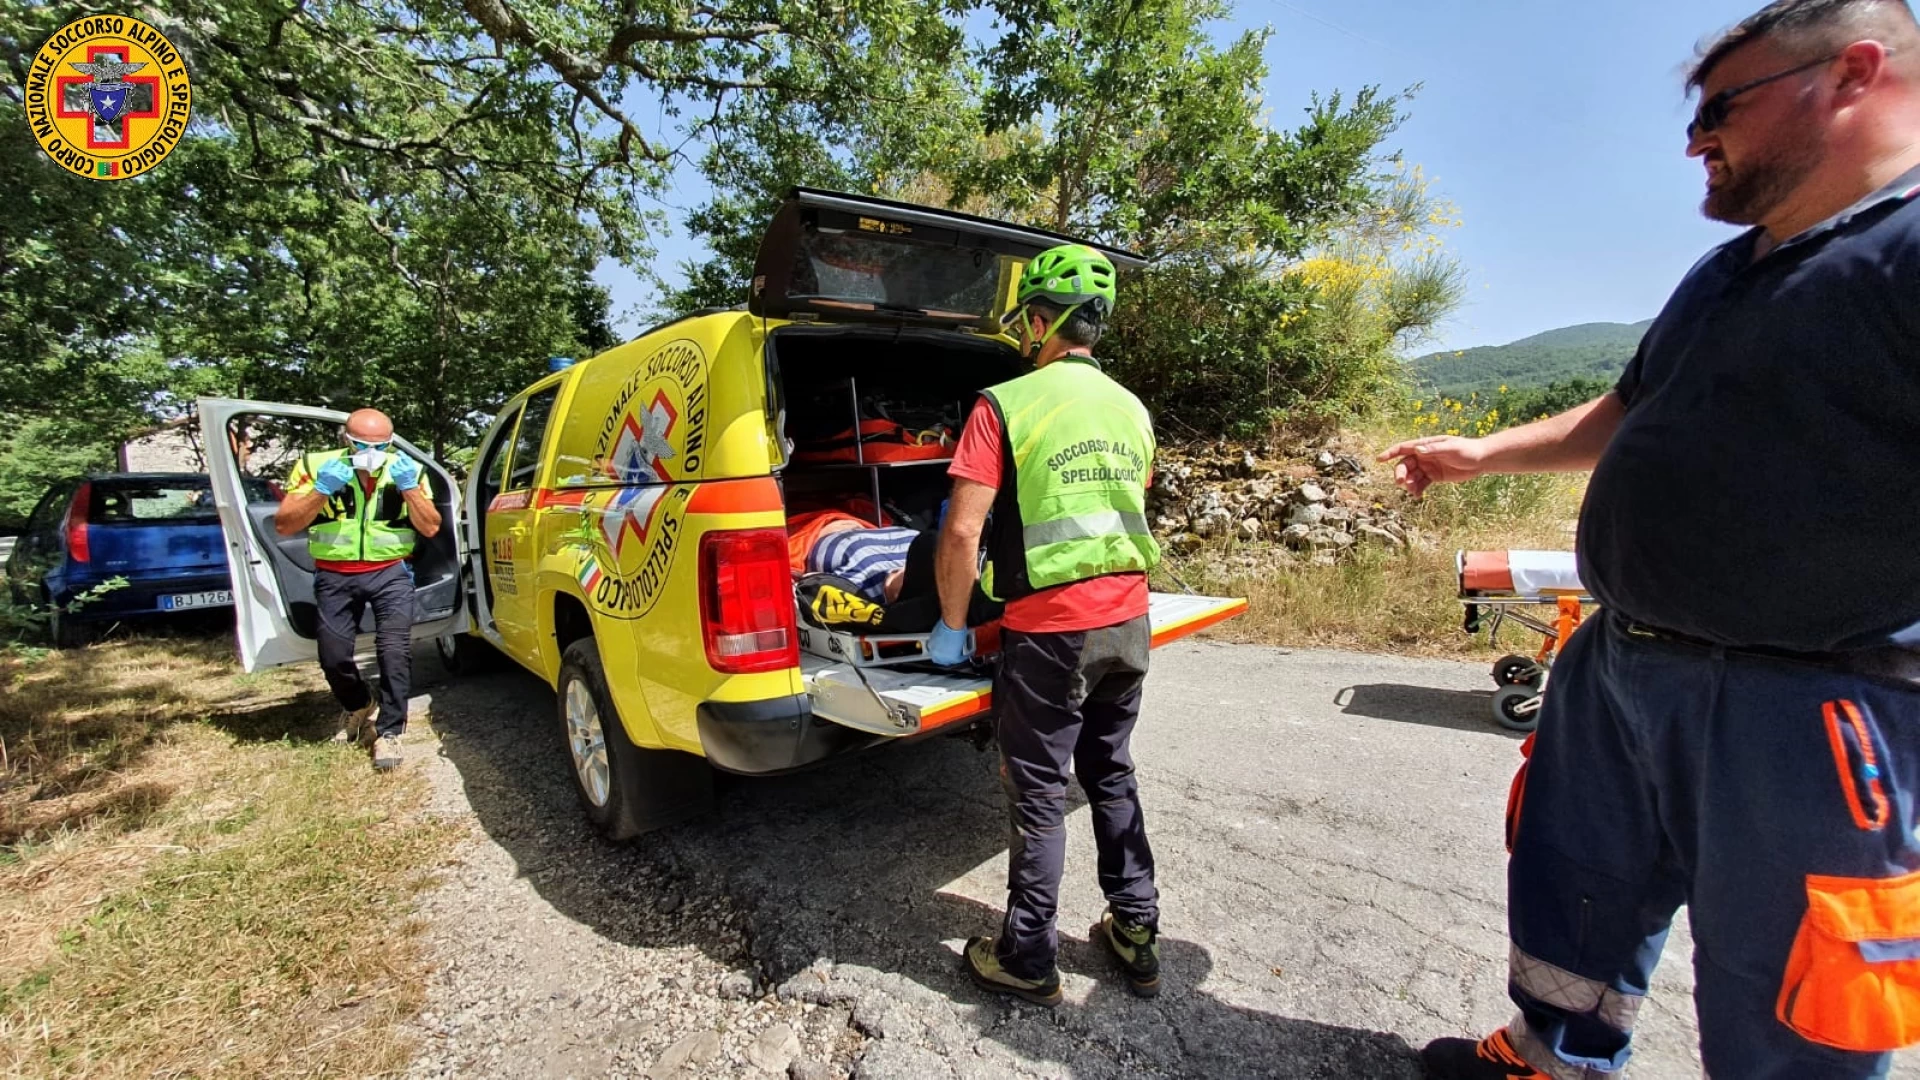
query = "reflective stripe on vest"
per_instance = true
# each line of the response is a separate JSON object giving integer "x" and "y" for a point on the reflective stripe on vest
{"x": 1084, "y": 527}
{"x": 1082, "y": 449}
{"x": 357, "y": 535}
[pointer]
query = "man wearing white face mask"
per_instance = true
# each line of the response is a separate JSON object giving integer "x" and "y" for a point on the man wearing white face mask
{"x": 366, "y": 503}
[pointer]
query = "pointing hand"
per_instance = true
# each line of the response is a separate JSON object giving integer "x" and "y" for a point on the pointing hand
{"x": 1435, "y": 459}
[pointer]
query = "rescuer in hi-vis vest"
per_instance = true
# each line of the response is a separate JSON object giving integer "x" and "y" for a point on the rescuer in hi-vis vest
{"x": 362, "y": 505}
{"x": 1060, "y": 458}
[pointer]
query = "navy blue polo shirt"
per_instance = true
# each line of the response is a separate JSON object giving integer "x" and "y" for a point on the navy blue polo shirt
{"x": 1764, "y": 486}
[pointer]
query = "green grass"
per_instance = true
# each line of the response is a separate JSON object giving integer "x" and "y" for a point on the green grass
{"x": 1378, "y": 600}
{"x": 194, "y": 882}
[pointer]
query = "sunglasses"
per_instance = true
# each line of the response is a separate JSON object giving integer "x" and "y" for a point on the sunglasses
{"x": 1013, "y": 318}
{"x": 359, "y": 445}
{"x": 1713, "y": 111}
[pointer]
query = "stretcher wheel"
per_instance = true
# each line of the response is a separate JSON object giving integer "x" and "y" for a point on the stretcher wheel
{"x": 1513, "y": 670}
{"x": 1517, "y": 708}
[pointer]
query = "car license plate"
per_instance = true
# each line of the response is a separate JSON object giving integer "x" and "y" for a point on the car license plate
{"x": 177, "y": 601}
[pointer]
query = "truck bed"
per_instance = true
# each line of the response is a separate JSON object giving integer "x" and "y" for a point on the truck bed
{"x": 898, "y": 702}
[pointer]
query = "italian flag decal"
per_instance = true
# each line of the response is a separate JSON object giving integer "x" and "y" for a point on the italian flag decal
{"x": 589, "y": 573}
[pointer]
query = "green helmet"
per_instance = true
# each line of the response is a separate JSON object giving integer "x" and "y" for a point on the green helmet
{"x": 1070, "y": 275}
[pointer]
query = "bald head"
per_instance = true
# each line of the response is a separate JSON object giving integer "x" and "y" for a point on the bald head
{"x": 369, "y": 425}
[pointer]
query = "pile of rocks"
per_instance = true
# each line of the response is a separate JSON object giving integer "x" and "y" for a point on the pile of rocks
{"x": 1321, "y": 502}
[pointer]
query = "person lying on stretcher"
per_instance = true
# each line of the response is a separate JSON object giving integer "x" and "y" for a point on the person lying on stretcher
{"x": 872, "y": 559}
{"x": 855, "y": 575}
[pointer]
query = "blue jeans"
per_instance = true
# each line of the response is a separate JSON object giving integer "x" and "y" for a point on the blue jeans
{"x": 1666, "y": 773}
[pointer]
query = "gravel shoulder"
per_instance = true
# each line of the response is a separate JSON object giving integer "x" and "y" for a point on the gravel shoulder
{"x": 1327, "y": 829}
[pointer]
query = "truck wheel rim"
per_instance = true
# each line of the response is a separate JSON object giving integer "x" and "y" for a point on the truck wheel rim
{"x": 587, "y": 740}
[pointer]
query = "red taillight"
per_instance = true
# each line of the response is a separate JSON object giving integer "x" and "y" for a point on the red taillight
{"x": 746, "y": 602}
{"x": 77, "y": 523}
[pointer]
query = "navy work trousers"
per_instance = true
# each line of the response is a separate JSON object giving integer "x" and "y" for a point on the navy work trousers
{"x": 342, "y": 600}
{"x": 1061, "y": 697}
{"x": 1775, "y": 798}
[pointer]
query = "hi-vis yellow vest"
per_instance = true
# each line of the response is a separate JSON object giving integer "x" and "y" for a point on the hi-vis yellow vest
{"x": 353, "y": 525}
{"x": 1081, "y": 449}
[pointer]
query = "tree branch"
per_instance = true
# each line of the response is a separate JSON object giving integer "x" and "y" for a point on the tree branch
{"x": 582, "y": 74}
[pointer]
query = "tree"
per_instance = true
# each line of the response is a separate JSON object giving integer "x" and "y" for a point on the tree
{"x": 1126, "y": 124}
{"x": 395, "y": 204}
{"x": 1122, "y": 121}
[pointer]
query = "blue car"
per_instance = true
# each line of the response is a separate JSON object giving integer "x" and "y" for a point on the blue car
{"x": 159, "y": 531}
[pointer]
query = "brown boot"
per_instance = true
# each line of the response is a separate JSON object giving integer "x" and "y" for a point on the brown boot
{"x": 985, "y": 968}
{"x": 356, "y": 725}
{"x": 386, "y": 752}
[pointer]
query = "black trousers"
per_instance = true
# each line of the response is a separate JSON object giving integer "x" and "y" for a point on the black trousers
{"x": 342, "y": 599}
{"x": 1073, "y": 697}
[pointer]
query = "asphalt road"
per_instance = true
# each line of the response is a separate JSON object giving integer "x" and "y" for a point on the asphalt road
{"x": 1327, "y": 828}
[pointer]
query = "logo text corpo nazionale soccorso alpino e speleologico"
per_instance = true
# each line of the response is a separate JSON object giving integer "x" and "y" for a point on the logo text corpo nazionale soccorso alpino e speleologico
{"x": 107, "y": 97}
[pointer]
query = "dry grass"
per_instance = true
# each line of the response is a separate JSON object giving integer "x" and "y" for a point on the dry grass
{"x": 193, "y": 882}
{"x": 1381, "y": 601}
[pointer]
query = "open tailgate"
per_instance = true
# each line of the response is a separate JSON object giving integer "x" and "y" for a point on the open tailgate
{"x": 897, "y": 702}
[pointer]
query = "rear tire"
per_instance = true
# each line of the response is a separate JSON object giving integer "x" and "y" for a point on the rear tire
{"x": 467, "y": 654}
{"x": 624, "y": 789}
{"x": 68, "y": 632}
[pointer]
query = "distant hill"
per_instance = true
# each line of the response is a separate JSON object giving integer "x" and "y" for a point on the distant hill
{"x": 1590, "y": 350}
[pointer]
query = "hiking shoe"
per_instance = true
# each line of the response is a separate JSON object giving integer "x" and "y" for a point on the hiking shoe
{"x": 987, "y": 972}
{"x": 386, "y": 752}
{"x": 356, "y": 725}
{"x": 1136, "y": 947}
{"x": 1492, "y": 1058}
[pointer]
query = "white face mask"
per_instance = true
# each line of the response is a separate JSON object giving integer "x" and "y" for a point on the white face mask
{"x": 369, "y": 460}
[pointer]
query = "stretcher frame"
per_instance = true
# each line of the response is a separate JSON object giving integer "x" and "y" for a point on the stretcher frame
{"x": 1516, "y": 704}
{"x": 897, "y": 700}
{"x": 867, "y": 650}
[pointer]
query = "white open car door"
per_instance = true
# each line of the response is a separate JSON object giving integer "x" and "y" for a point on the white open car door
{"x": 250, "y": 447}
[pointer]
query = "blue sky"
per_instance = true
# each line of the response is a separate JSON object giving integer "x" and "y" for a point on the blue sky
{"x": 1556, "y": 127}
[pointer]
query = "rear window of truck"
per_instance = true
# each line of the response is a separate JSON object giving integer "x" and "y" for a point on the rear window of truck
{"x": 879, "y": 271}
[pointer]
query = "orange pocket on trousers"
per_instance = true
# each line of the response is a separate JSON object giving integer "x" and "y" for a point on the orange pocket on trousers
{"x": 1517, "y": 792}
{"x": 1853, "y": 978}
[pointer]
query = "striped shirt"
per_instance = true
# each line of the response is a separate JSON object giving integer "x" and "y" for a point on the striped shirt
{"x": 863, "y": 556}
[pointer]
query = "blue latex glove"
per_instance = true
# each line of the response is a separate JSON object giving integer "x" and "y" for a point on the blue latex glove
{"x": 333, "y": 477}
{"x": 949, "y": 647}
{"x": 405, "y": 471}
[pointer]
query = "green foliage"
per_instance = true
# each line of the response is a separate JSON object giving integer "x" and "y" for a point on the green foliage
{"x": 391, "y": 204}
{"x": 1554, "y": 398}
{"x": 1122, "y": 121}
{"x": 21, "y": 622}
{"x": 1477, "y": 415}
{"x": 1240, "y": 347}
{"x": 36, "y": 451}
{"x": 904, "y": 107}
{"x": 1588, "y": 351}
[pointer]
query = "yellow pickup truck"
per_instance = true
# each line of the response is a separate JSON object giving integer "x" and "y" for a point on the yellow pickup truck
{"x": 623, "y": 533}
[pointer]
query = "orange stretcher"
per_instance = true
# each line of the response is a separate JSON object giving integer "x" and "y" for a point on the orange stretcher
{"x": 1496, "y": 586}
